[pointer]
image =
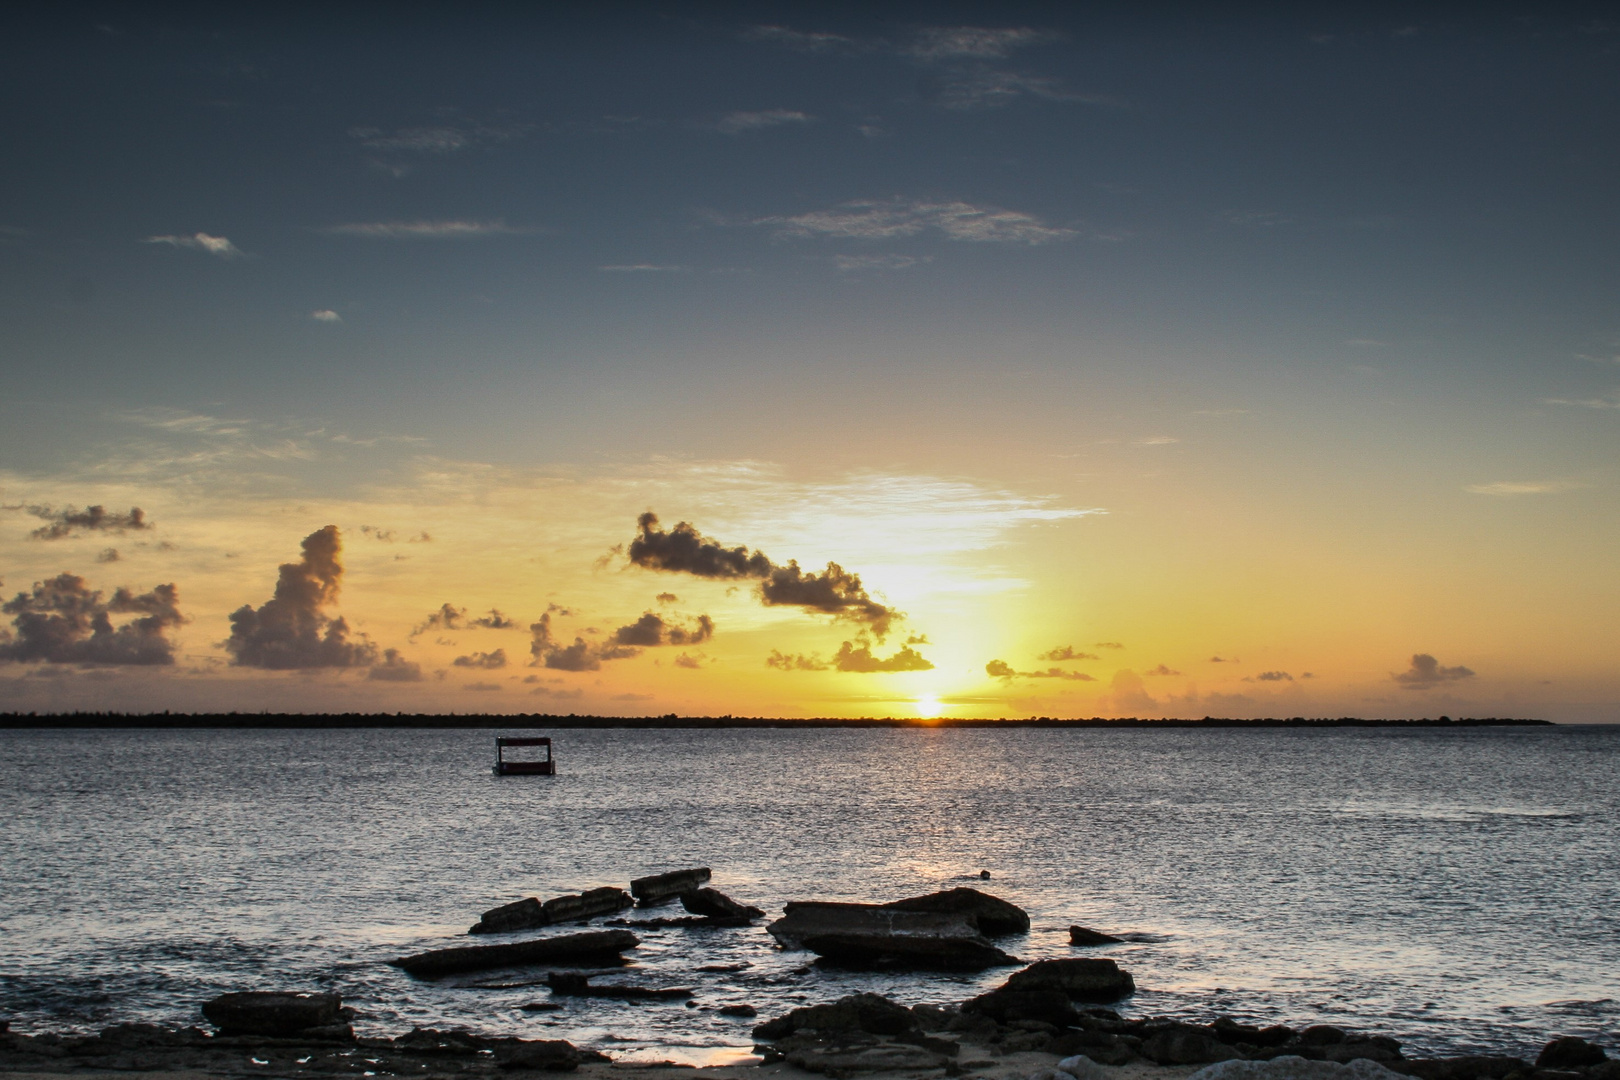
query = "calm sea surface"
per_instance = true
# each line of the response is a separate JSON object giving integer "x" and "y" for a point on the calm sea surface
{"x": 1455, "y": 888}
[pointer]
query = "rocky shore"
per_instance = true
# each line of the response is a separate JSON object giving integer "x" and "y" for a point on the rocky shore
{"x": 1049, "y": 1020}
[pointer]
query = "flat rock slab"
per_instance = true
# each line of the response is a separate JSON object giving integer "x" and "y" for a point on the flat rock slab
{"x": 574, "y": 985}
{"x": 860, "y": 935}
{"x": 991, "y": 914}
{"x": 657, "y": 888}
{"x": 1080, "y": 935}
{"x": 714, "y": 904}
{"x": 1082, "y": 979}
{"x": 530, "y": 914}
{"x": 271, "y": 1013}
{"x": 591, "y": 947}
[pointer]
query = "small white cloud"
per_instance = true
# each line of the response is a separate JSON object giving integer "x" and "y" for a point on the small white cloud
{"x": 738, "y": 122}
{"x": 878, "y": 262}
{"x": 1509, "y": 488}
{"x": 1157, "y": 440}
{"x": 888, "y": 220}
{"x": 213, "y": 245}
{"x": 426, "y": 230}
{"x": 326, "y": 315}
{"x": 1612, "y": 401}
{"x": 973, "y": 42}
{"x": 641, "y": 268}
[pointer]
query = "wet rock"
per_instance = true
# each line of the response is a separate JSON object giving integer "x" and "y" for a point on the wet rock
{"x": 934, "y": 1017}
{"x": 1081, "y": 1067}
{"x": 1229, "y": 1030}
{"x": 591, "y": 947}
{"x": 861, "y": 935}
{"x": 273, "y": 1013}
{"x": 1097, "y": 980}
{"x": 1080, "y": 935}
{"x": 738, "y": 1010}
{"x": 657, "y": 888}
{"x": 714, "y": 904}
{"x": 529, "y": 913}
{"x": 1321, "y": 1035}
{"x": 839, "y": 1063}
{"x": 685, "y": 922}
{"x": 1462, "y": 1068}
{"x": 573, "y": 985}
{"x": 1098, "y": 1046}
{"x": 1008, "y": 1006}
{"x": 1570, "y": 1053}
{"x": 725, "y": 969}
{"x": 551, "y": 1055}
{"x": 1377, "y": 1048}
{"x": 992, "y": 915}
{"x": 870, "y": 1013}
{"x": 1294, "y": 1068}
{"x": 1184, "y": 1044}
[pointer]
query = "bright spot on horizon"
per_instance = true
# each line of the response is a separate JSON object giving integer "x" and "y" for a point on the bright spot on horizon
{"x": 929, "y": 708}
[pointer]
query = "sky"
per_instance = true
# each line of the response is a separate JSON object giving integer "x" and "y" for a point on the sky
{"x": 800, "y": 360}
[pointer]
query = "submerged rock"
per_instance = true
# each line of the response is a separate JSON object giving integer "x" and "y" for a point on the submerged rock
{"x": 657, "y": 888}
{"x": 1081, "y": 979}
{"x": 1080, "y": 935}
{"x": 592, "y": 947}
{"x": 529, "y": 913}
{"x": 273, "y": 1013}
{"x": 714, "y": 904}
{"x": 550, "y": 1055}
{"x": 861, "y": 935}
{"x": 573, "y": 985}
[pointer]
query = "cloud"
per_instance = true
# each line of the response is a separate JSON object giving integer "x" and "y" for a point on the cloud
{"x": 64, "y": 621}
{"x": 426, "y": 230}
{"x": 1223, "y": 660}
{"x": 982, "y": 87}
{"x": 1511, "y": 488}
{"x": 291, "y": 631}
{"x": 667, "y": 598}
{"x": 861, "y": 661}
{"x": 834, "y": 591}
{"x": 1065, "y": 652}
{"x": 483, "y": 687}
{"x": 1426, "y": 672}
{"x": 108, "y": 555}
{"x": 438, "y": 139}
{"x": 448, "y": 617}
{"x": 395, "y": 668}
{"x": 685, "y": 661}
{"x": 796, "y": 661}
{"x": 739, "y": 122}
{"x": 580, "y": 656}
{"x": 495, "y": 620}
{"x": 641, "y": 268}
{"x": 867, "y": 220}
{"x": 1000, "y": 669}
{"x": 879, "y": 262}
{"x": 326, "y": 315}
{"x": 938, "y": 43}
{"x": 1272, "y": 676}
{"x": 651, "y": 630}
{"x": 802, "y": 41}
{"x": 213, "y": 245}
{"x": 484, "y": 661}
{"x": 1161, "y": 670}
{"x": 70, "y": 521}
{"x": 1612, "y": 401}
{"x": 1108, "y": 645}
{"x": 1128, "y": 695}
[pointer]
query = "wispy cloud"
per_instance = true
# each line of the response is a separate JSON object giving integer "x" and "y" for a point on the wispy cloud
{"x": 805, "y": 41}
{"x": 1510, "y": 488}
{"x": 436, "y": 139}
{"x": 213, "y": 245}
{"x": 641, "y": 268}
{"x": 973, "y": 42}
{"x": 862, "y": 220}
{"x": 458, "y": 229}
{"x": 879, "y": 262}
{"x": 739, "y": 122}
{"x": 1611, "y": 401}
{"x": 326, "y": 315}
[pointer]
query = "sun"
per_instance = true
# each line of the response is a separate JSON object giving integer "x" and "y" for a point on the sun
{"x": 928, "y": 707}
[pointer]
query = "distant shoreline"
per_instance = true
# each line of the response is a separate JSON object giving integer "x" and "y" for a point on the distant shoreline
{"x": 453, "y": 721}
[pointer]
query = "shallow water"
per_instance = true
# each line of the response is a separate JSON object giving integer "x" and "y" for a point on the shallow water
{"x": 1455, "y": 888}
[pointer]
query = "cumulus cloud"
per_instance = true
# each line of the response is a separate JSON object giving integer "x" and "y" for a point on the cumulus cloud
{"x": 426, "y": 230}
{"x": 1000, "y": 669}
{"x": 395, "y": 668}
{"x": 64, "y": 621}
{"x": 796, "y": 661}
{"x": 292, "y": 631}
{"x": 1065, "y": 652}
{"x": 834, "y": 591}
{"x": 70, "y": 521}
{"x": 866, "y": 220}
{"x": 1272, "y": 676}
{"x": 213, "y": 245}
{"x": 859, "y": 659}
{"x": 485, "y": 661}
{"x": 449, "y": 617}
{"x": 547, "y": 652}
{"x": 1426, "y": 672}
{"x": 739, "y": 122}
{"x": 326, "y": 315}
{"x": 495, "y": 620}
{"x": 652, "y": 630}
{"x": 1510, "y": 488}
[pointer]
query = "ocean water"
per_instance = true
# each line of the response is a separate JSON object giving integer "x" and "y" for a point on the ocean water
{"x": 1459, "y": 889}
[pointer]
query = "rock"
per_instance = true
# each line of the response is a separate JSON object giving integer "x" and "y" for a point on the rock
{"x": 660, "y": 887}
{"x": 686, "y": 922}
{"x": 1098, "y": 1046}
{"x": 992, "y": 915}
{"x": 1079, "y": 935}
{"x": 1184, "y": 1044}
{"x": 1377, "y": 1048}
{"x": 715, "y": 904}
{"x": 1462, "y": 1068}
{"x": 1008, "y": 1006}
{"x": 1082, "y": 1068}
{"x": 530, "y": 913}
{"x": 1086, "y": 979}
{"x": 725, "y": 969}
{"x": 1294, "y": 1068}
{"x": 1321, "y": 1035}
{"x": 1609, "y": 1070}
{"x": 1229, "y": 1030}
{"x": 591, "y": 947}
{"x": 738, "y": 1010}
{"x": 838, "y": 1062}
{"x": 552, "y": 1055}
{"x": 573, "y": 985}
{"x": 1570, "y": 1053}
{"x": 869, "y": 1013}
{"x": 271, "y": 1013}
{"x": 863, "y": 936}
